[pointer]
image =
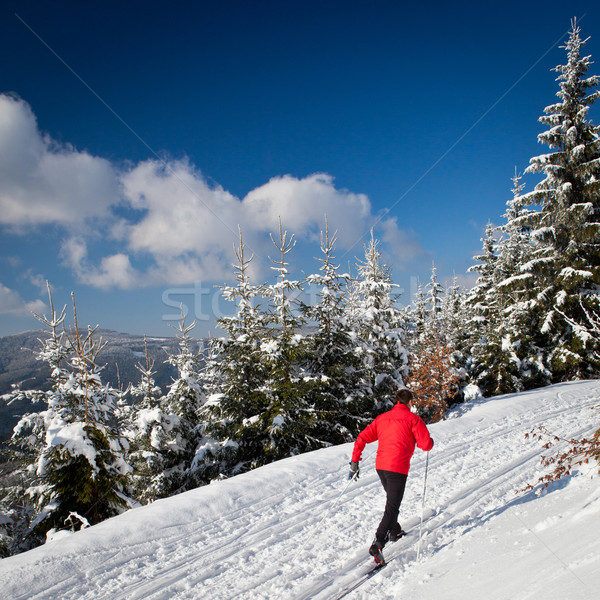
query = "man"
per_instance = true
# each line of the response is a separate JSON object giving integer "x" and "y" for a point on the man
{"x": 398, "y": 431}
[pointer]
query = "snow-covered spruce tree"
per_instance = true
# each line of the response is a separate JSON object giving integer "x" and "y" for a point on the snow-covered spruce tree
{"x": 566, "y": 230}
{"x": 492, "y": 305}
{"x": 500, "y": 344}
{"x": 20, "y": 504}
{"x": 516, "y": 246}
{"x": 453, "y": 318}
{"x": 181, "y": 429}
{"x": 380, "y": 331}
{"x": 147, "y": 430}
{"x": 18, "y": 508}
{"x": 456, "y": 334}
{"x": 262, "y": 413}
{"x": 513, "y": 354}
{"x": 233, "y": 438}
{"x": 418, "y": 315}
{"x": 77, "y": 454}
{"x": 331, "y": 360}
{"x": 15, "y": 515}
{"x": 436, "y": 316}
{"x": 290, "y": 423}
{"x": 352, "y": 300}
{"x": 434, "y": 328}
{"x": 482, "y": 310}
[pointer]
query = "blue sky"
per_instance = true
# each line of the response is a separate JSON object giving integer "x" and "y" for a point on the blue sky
{"x": 136, "y": 136}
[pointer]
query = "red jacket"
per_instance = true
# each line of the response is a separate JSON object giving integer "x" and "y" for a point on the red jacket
{"x": 398, "y": 431}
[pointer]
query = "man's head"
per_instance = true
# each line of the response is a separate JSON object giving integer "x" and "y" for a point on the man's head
{"x": 404, "y": 396}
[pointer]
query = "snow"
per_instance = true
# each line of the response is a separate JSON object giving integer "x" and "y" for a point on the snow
{"x": 571, "y": 272}
{"x": 270, "y": 347}
{"x": 73, "y": 438}
{"x": 471, "y": 392}
{"x": 298, "y": 529}
{"x": 509, "y": 281}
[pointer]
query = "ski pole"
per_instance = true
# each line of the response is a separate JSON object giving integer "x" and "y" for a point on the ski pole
{"x": 423, "y": 506}
{"x": 315, "y": 529}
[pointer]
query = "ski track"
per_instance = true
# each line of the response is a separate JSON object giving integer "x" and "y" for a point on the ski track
{"x": 218, "y": 560}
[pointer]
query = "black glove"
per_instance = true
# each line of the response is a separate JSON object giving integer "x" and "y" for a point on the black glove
{"x": 354, "y": 471}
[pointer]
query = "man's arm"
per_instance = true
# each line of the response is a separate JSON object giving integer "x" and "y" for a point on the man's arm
{"x": 421, "y": 434}
{"x": 366, "y": 436}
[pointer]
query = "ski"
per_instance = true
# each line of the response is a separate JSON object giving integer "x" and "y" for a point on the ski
{"x": 362, "y": 580}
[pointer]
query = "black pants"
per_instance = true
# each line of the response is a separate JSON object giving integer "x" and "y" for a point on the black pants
{"x": 393, "y": 484}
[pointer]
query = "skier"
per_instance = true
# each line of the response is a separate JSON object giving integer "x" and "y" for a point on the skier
{"x": 398, "y": 431}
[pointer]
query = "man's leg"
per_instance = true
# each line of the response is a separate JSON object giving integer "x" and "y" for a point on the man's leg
{"x": 393, "y": 484}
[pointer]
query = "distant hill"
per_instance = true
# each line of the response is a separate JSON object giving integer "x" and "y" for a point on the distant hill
{"x": 120, "y": 355}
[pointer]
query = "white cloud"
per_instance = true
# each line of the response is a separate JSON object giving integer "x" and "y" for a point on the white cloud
{"x": 464, "y": 280}
{"x": 180, "y": 227}
{"x": 11, "y": 303}
{"x": 400, "y": 243}
{"x": 113, "y": 271}
{"x": 42, "y": 182}
{"x": 189, "y": 227}
{"x": 303, "y": 204}
{"x": 181, "y": 212}
{"x": 35, "y": 279}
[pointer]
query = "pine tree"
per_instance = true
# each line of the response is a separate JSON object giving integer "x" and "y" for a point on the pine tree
{"x": 181, "y": 415}
{"x": 380, "y": 331}
{"x": 502, "y": 356}
{"x": 147, "y": 429}
{"x": 453, "y": 318}
{"x": 262, "y": 412}
{"x": 331, "y": 360}
{"x": 481, "y": 306}
{"x": 434, "y": 326}
{"x": 419, "y": 315}
{"x": 516, "y": 247}
{"x": 514, "y": 356}
{"x": 232, "y": 440}
{"x": 78, "y": 473}
{"x": 566, "y": 229}
{"x": 290, "y": 422}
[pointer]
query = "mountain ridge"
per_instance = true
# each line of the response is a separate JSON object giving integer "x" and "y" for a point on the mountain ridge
{"x": 18, "y": 365}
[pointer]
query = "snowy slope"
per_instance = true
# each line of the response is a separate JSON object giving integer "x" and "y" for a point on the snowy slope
{"x": 296, "y": 530}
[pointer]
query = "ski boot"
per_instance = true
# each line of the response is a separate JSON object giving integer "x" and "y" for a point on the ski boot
{"x": 375, "y": 552}
{"x": 396, "y": 533}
